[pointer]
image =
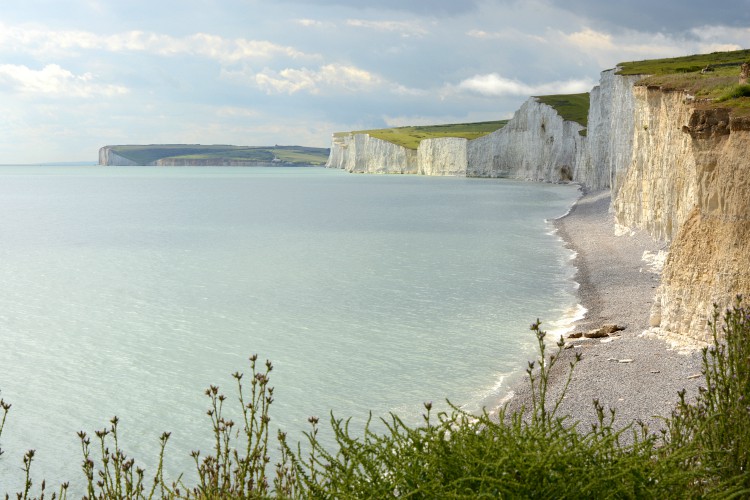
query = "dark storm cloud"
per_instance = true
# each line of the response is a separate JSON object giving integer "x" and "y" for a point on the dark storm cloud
{"x": 664, "y": 16}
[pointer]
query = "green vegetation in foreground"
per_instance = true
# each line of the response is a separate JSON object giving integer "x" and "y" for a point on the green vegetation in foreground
{"x": 718, "y": 85}
{"x": 572, "y": 107}
{"x": 703, "y": 452}
{"x": 410, "y": 137}
{"x": 148, "y": 154}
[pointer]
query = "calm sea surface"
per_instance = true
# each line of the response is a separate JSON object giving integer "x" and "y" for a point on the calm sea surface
{"x": 128, "y": 290}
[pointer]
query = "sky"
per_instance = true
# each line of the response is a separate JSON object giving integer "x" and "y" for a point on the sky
{"x": 76, "y": 75}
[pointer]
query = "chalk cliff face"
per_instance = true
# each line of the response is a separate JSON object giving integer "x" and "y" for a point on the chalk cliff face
{"x": 443, "y": 156}
{"x": 109, "y": 157}
{"x": 362, "y": 153}
{"x": 536, "y": 144}
{"x": 611, "y": 122}
{"x": 659, "y": 187}
{"x": 689, "y": 182}
{"x": 676, "y": 169}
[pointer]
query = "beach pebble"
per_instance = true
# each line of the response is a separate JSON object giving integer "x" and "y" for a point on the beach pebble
{"x": 625, "y": 361}
{"x": 611, "y": 328}
{"x": 595, "y": 334}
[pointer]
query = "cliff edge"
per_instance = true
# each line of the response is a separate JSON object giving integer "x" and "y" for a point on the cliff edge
{"x": 672, "y": 151}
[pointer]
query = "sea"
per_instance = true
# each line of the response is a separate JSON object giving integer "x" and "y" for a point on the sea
{"x": 127, "y": 291}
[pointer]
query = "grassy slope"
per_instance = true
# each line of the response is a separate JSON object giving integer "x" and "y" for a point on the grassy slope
{"x": 410, "y": 137}
{"x": 717, "y": 87}
{"x": 572, "y": 107}
{"x": 147, "y": 154}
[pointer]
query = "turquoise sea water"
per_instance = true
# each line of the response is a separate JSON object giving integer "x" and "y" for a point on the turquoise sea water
{"x": 128, "y": 290}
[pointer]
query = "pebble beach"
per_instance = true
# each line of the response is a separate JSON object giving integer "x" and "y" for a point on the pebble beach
{"x": 632, "y": 370}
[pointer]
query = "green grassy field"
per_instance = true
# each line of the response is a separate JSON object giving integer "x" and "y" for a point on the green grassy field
{"x": 685, "y": 64}
{"x": 572, "y": 107}
{"x": 410, "y": 137}
{"x": 148, "y": 154}
{"x": 717, "y": 87}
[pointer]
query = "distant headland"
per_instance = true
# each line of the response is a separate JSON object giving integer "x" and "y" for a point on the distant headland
{"x": 211, "y": 155}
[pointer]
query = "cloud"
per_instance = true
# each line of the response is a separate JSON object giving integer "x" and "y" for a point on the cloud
{"x": 291, "y": 81}
{"x": 494, "y": 85}
{"x": 309, "y": 23}
{"x": 633, "y": 44}
{"x": 42, "y": 42}
{"x": 236, "y": 112}
{"x": 421, "y": 7}
{"x": 54, "y": 80}
{"x": 510, "y": 34}
{"x": 610, "y": 48}
{"x": 667, "y": 16}
{"x": 721, "y": 38}
{"x": 405, "y": 28}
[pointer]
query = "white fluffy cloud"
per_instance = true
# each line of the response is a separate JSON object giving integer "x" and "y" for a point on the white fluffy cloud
{"x": 338, "y": 76}
{"x": 494, "y": 85}
{"x": 404, "y": 28}
{"x": 51, "y": 42}
{"x": 54, "y": 80}
{"x": 637, "y": 45}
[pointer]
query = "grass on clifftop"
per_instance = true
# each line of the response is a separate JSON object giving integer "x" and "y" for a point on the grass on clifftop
{"x": 717, "y": 86}
{"x": 410, "y": 137}
{"x": 572, "y": 107}
{"x": 685, "y": 64}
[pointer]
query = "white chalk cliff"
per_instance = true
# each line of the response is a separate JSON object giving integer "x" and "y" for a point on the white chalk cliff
{"x": 108, "y": 157}
{"x": 675, "y": 170}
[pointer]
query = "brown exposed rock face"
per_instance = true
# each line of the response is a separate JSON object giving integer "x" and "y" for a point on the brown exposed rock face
{"x": 689, "y": 182}
{"x": 709, "y": 259}
{"x": 691, "y": 187}
{"x": 707, "y": 124}
{"x": 744, "y": 73}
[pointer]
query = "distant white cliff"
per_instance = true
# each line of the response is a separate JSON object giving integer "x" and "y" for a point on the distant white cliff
{"x": 537, "y": 144}
{"x": 675, "y": 170}
{"x": 108, "y": 157}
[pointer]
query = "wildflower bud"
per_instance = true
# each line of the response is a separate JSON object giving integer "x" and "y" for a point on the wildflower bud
{"x": 428, "y": 405}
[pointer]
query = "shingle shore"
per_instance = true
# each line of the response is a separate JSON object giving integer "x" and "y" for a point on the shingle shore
{"x": 636, "y": 374}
